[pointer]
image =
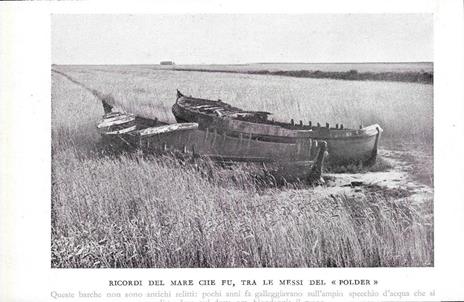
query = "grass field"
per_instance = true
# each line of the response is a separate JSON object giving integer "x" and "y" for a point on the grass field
{"x": 133, "y": 211}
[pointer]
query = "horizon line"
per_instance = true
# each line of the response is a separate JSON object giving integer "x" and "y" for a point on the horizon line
{"x": 371, "y": 62}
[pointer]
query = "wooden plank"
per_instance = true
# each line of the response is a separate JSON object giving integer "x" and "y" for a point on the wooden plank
{"x": 168, "y": 128}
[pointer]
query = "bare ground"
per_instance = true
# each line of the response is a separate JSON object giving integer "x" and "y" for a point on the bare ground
{"x": 410, "y": 177}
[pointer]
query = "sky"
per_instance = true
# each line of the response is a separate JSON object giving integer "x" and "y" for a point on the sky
{"x": 241, "y": 38}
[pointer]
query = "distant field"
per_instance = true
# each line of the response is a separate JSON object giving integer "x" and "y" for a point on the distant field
{"x": 399, "y": 72}
{"x": 393, "y": 72}
{"x": 360, "y": 67}
{"x": 135, "y": 211}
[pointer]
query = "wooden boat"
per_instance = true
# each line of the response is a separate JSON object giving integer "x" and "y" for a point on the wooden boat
{"x": 301, "y": 159}
{"x": 344, "y": 145}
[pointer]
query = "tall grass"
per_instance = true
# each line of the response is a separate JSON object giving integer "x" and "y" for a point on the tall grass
{"x": 404, "y": 110}
{"x": 133, "y": 211}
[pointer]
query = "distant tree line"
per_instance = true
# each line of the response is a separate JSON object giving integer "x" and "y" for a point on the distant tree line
{"x": 409, "y": 76}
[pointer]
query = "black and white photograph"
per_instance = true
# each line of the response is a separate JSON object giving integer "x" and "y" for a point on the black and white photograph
{"x": 242, "y": 140}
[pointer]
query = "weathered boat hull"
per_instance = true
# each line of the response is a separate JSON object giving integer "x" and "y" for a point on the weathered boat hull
{"x": 261, "y": 131}
{"x": 284, "y": 161}
{"x": 345, "y": 146}
{"x": 354, "y": 149}
{"x": 224, "y": 147}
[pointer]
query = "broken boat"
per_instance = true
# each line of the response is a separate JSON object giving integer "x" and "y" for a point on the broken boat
{"x": 301, "y": 159}
{"x": 345, "y": 146}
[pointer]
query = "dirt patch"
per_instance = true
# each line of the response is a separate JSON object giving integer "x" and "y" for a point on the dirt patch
{"x": 410, "y": 175}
